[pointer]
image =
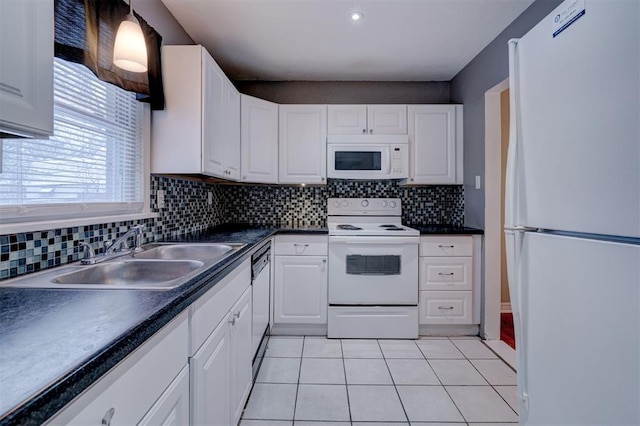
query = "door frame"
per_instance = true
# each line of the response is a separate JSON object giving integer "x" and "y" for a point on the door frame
{"x": 492, "y": 202}
{"x": 492, "y": 223}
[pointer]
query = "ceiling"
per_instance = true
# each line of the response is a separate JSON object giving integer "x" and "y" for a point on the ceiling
{"x": 316, "y": 40}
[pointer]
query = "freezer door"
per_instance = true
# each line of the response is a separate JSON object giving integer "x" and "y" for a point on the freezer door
{"x": 577, "y": 115}
{"x": 581, "y": 320}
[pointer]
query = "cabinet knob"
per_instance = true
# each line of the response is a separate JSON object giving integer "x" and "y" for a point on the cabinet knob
{"x": 232, "y": 321}
{"x": 364, "y": 130}
{"x": 106, "y": 420}
{"x": 370, "y": 130}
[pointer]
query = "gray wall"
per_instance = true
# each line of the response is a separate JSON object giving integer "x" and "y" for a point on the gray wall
{"x": 346, "y": 92}
{"x": 158, "y": 16}
{"x": 488, "y": 68}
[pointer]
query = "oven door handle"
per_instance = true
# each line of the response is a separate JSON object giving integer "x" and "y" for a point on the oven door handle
{"x": 374, "y": 240}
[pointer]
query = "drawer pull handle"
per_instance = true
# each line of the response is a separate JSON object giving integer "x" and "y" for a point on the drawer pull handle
{"x": 441, "y": 246}
{"x": 232, "y": 321}
{"x": 106, "y": 420}
{"x": 300, "y": 245}
{"x": 445, "y": 308}
{"x": 445, "y": 273}
{"x": 236, "y": 314}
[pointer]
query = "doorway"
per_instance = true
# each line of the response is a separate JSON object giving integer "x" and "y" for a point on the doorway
{"x": 496, "y": 294}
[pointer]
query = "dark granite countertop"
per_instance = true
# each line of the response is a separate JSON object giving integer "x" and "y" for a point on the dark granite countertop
{"x": 54, "y": 343}
{"x": 446, "y": 230}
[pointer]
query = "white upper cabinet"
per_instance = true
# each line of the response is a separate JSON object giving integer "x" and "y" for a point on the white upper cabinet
{"x": 259, "y": 140}
{"x": 199, "y": 130}
{"x": 303, "y": 144}
{"x": 367, "y": 119}
{"x": 26, "y": 68}
{"x": 435, "y": 144}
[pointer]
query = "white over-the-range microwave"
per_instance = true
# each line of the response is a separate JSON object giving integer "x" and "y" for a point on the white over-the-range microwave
{"x": 368, "y": 156}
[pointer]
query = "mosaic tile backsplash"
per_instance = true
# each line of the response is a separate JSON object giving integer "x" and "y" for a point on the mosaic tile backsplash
{"x": 187, "y": 210}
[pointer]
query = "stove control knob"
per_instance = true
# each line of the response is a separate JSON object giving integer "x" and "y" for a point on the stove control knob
{"x": 392, "y": 204}
{"x": 384, "y": 203}
{"x": 336, "y": 203}
{"x": 345, "y": 203}
{"x": 364, "y": 203}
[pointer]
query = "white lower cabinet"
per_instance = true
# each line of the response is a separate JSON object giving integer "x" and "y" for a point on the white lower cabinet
{"x": 300, "y": 280}
{"x": 445, "y": 307}
{"x": 241, "y": 355}
{"x": 172, "y": 409}
{"x": 447, "y": 274}
{"x": 221, "y": 371}
{"x": 211, "y": 379}
{"x": 146, "y": 387}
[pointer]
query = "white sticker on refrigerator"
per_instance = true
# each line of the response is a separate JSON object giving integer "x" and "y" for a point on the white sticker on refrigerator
{"x": 566, "y": 14}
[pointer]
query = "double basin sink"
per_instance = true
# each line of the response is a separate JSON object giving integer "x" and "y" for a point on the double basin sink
{"x": 159, "y": 266}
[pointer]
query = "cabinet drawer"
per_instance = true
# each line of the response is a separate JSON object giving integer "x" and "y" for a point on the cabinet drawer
{"x": 445, "y": 307}
{"x": 131, "y": 388}
{"x": 301, "y": 245}
{"x": 206, "y": 312}
{"x": 451, "y": 273}
{"x": 446, "y": 246}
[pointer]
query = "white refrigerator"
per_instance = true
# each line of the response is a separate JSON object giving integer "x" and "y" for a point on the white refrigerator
{"x": 572, "y": 214}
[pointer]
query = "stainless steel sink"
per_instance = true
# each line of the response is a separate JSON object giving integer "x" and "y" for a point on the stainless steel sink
{"x": 160, "y": 266}
{"x": 203, "y": 251}
{"x": 131, "y": 273}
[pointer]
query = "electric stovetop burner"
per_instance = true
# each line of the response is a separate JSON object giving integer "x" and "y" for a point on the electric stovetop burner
{"x": 349, "y": 227}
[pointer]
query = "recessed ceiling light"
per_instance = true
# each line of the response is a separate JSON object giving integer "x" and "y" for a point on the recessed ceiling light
{"x": 356, "y": 16}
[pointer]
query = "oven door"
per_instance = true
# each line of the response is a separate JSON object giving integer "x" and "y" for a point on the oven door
{"x": 358, "y": 161}
{"x": 373, "y": 270}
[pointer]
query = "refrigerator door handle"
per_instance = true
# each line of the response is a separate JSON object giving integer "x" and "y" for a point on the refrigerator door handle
{"x": 511, "y": 183}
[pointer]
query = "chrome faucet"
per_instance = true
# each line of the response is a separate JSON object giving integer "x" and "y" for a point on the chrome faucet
{"x": 116, "y": 249}
{"x": 118, "y": 245}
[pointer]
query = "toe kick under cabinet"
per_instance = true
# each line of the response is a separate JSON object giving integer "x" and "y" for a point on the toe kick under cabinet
{"x": 448, "y": 274}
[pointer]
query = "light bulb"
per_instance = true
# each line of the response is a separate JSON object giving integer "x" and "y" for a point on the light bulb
{"x": 357, "y": 16}
{"x": 130, "y": 49}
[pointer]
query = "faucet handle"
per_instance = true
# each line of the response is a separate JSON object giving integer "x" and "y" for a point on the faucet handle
{"x": 89, "y": 252}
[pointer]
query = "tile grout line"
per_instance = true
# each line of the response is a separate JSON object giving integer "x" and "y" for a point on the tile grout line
{"x": 346, "y": 382}
{"x": 395, "y": 387}
{"x": 442, "y": 384}
{"x": 482, "y": 375}
{"x": 295, "y": 401}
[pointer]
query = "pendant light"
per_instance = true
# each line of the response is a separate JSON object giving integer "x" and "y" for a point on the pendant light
{"x": 130, "y": 49}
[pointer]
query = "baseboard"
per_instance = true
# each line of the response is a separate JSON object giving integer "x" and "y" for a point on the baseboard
{"x": 449, "y": 330}
{"x": 299, "y": 330}
{"x": 504, "y": 351}
{"x": 505, "y": 307}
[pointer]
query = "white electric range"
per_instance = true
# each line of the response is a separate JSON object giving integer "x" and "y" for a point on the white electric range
{"x": 373, "y": 270}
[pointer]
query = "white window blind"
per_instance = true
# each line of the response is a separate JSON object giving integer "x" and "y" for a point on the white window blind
{"x": 93, "y": 164}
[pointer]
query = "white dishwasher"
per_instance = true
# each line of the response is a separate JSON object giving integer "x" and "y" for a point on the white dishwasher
{"x": 260, "y": 291}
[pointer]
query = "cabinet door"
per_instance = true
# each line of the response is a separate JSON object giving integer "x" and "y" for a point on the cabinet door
{"x": 241, "y": 354}
{"x": 232, "y": 123}
{"x": 435, "y": 144}
{"x": 303, "y": 143}
{"x": 387, "y": 119}
{"x": 172, "y": 408}
{"x": 26, "y": 68}
{"x": 211, "y": 379}
{"x": 300, "y": 290}
{"x": 214, "y": 134}
{"x": 346, "y": 119}
{"x": 259, "y": 140}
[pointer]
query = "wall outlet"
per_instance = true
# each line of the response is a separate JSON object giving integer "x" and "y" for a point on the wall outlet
{"x": 160, "y": 198}
{"x": 210, "y": 198}
{"x": 478, "y": 182}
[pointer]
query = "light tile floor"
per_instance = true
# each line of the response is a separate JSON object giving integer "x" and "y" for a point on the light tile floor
{"x": 307, "y": 381}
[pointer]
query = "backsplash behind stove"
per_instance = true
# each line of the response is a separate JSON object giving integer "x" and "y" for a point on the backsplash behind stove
{"x": 307, "y": 206}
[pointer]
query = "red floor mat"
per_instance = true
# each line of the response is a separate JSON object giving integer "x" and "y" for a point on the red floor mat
{"x": 507, "y": 334}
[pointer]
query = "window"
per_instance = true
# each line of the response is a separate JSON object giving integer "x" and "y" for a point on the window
{"x": 92, "y": 165}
